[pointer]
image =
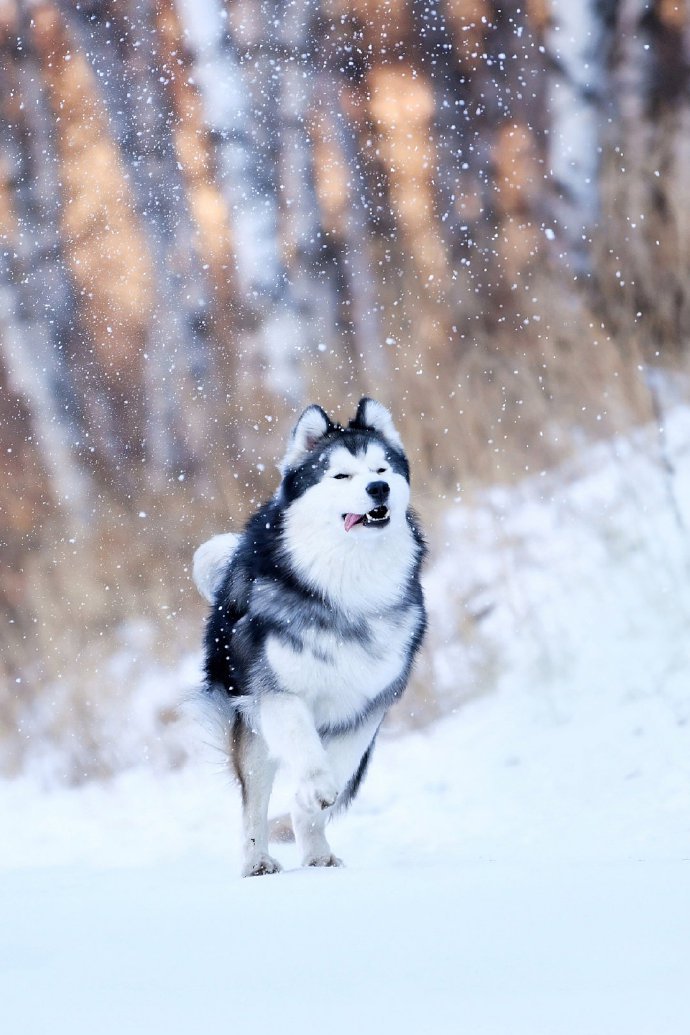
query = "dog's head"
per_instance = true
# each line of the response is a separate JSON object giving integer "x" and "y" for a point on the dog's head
{"x": 347, "y": 481}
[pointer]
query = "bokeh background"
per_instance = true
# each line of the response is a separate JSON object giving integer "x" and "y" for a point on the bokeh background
{"x": 213, "y": 213}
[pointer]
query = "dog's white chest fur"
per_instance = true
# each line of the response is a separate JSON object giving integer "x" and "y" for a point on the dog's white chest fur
{"x": 338, "y": 677}
{"x": 362, "y": 573}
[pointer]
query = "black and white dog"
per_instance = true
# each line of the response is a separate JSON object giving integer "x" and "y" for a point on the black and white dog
{"x": 317, "y": 616}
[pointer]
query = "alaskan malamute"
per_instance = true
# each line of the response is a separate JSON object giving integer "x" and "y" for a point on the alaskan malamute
{"x": 317, "y": 616}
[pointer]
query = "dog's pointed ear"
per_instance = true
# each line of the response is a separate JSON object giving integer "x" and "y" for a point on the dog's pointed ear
{"x": 313, "y": 425}
{"x": 373, "y": 416}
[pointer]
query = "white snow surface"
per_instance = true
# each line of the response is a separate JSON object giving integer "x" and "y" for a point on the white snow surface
{"x": 521, "y": 867}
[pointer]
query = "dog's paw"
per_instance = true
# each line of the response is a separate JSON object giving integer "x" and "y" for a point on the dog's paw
{"x": 260, "y": 864}
{"x": 317, "y": 791}
{"x": 323, "y": 860}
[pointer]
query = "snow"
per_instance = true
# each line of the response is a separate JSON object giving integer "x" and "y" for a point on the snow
{"x": 576, "y": 590}
{"x": 485, "y": 948}
{"x": 521, "y": 866}
{"x": 505, "y": 874}
{"x": 482, "y": 895}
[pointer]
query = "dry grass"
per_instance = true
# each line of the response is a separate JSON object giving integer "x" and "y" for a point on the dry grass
{"x": 88, "y": 592}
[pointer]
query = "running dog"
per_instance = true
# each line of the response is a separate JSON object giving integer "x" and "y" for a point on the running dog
{"x": 317, "y": 615}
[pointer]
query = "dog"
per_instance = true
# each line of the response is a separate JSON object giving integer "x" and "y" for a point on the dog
{"x": 317, "y": 615}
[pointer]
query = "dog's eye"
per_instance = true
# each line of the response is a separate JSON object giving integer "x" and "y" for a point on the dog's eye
{"x": 342, "y": 475}
{"x": 382, "y": 470}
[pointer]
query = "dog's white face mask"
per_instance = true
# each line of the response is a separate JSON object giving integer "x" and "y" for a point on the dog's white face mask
{"x": 358, "y": 497}
{"x": 355, "y": 488}
{"x": 361, "y": 494}
{"x": 348, "y": 528}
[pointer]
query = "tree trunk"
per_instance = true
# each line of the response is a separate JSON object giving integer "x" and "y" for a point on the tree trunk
{"x": 38, "y": 312}
{"x": 240, "y": 99}
{"x": 121, "y": 44}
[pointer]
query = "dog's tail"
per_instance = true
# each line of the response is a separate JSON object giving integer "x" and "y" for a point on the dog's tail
{"x": 211, "y": 561}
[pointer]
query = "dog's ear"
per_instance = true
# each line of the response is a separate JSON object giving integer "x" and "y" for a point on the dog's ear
{"x": 373, "y": 416}
{"x": 312, "y": 426}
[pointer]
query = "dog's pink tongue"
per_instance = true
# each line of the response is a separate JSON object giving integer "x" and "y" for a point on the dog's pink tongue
{"x": 351, "y": 520}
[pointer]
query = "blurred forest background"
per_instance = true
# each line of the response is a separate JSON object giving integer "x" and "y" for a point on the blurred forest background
{"x": 213, "y": 213}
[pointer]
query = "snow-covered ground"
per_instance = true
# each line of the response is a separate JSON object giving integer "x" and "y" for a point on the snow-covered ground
{"x": 523, "y": 866}
{"x": 504, "y": 875}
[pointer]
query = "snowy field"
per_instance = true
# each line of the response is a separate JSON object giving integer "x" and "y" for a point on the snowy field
{"x": 504, "y": 875}
{"x": 520, "y": 868}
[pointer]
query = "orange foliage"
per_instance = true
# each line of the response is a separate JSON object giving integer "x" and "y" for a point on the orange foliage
{"x": 673, "y": 13}
{"x": 539, "y": 13}
{"x": 331, "y": 175}
{"x": 402, "y": 107}
{"x": 194, "y": 149}
{"x": 8, "y": 20}
{"x": 386, "y": 24}
{"x": 465, "y": 18}
{"x": 104, "y": 245}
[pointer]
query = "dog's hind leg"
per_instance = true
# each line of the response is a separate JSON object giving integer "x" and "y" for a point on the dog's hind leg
{"x": 255, "y": 772}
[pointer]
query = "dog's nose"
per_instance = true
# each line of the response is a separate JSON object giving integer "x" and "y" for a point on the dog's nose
{"x": 378, "y": 491}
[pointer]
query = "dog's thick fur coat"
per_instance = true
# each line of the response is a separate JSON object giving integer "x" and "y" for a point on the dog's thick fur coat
{"x": 317, "y": 614}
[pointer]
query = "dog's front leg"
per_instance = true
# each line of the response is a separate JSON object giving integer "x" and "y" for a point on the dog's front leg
{"x": 291, "y": 737}
{"x": 309, "y": 828}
